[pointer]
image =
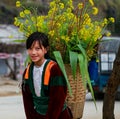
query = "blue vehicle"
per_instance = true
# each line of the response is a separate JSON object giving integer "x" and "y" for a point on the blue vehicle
{"x": 101, "y": 71}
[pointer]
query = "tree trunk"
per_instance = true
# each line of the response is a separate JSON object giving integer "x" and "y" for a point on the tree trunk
{"x": 111, "y": 89}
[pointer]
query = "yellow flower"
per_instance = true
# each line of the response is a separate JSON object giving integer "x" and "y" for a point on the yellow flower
{"x": 86, "y": 16}
{"x": 39, "y": 24}
{"x": 95, "y": 10}
{"x": 90, "y": 53}
{"x": 80, "y": 5}
{"x": 29, "y": 28}
{"x": 65, "y": 38}
{"x": 22, "y": 14}
{"x": 27, "y": 11}
{"x": 61, "y": 6}
{"x": 58, "y": 25}
{"x": 111, "y": 19}
{"x": 68, "y": 10}
{"x": 16, "y": 22}
{"x": 108, "y": 34}
{"x": 105, "y": 21}
{"x": 28, "y": 34}
{"x": 52, "y": 4}
{"x": 70, "y": 3}
{"x": 18, "y": 4}
{"x": 51, "y": 33}
{"x": 91, "y": 2}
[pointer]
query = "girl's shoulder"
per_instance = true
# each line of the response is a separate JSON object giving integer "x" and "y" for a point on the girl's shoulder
{"x": 54, "y": 68}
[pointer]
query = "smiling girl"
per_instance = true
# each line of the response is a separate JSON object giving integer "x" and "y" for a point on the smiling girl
{"x": 44, "y": 88}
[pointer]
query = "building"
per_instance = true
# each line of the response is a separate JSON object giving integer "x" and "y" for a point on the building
{"x": 11, "y": 52}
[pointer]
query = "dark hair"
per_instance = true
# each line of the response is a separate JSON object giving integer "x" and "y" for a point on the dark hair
{"x": 37, "y": 36}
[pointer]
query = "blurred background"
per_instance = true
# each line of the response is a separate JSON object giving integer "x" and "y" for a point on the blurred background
{"x": 13, "y": 55}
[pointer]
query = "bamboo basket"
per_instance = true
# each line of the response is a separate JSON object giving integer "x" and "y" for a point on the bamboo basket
{"x": 76, "y": 102}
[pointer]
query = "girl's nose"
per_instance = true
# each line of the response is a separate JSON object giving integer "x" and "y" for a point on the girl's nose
{"x": 33, "y": 51}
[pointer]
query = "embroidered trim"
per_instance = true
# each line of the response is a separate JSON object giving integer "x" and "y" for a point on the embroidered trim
{"x": 26, "y": 76}
{"x": 47, "y": 72}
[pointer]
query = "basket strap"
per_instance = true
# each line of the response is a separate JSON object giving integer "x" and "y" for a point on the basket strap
{"x": 47, "y": 72}
{"x": 26, "y": 76}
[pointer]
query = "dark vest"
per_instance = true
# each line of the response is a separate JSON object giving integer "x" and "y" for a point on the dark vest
{"x": 41, "y": 103}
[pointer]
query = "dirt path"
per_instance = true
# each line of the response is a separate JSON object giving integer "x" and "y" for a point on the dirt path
{"x": 9, "y": 87}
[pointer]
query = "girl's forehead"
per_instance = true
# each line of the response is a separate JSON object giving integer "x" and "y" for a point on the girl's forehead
{"x": 36, "y": 43}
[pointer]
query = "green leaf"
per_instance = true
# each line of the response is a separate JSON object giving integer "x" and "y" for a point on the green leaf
{"x": 60, "y": 62}
{"x": 28, "y": 60}
{"x": 82, "y": 49}
{"x": 81, "y": 60}
{"x": 83, "y": 64}
{"x": 73, "y": 62}
{"x": 89, "y": 82}
{"x": 19, "y": 41}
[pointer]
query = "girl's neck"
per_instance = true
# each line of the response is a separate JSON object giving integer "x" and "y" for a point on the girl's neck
{"x": 38, "y": 64}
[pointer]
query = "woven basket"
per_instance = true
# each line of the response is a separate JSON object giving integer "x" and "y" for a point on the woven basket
{"x": 77, "y": 100}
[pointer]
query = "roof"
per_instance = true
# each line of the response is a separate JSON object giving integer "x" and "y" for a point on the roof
{"x": 110, "y": 44}
{"x": 9, "y": 33}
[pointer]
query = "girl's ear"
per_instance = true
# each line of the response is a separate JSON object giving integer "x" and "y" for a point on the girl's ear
{"x": 47, "y": 48}
{"x": 46, "y": 52}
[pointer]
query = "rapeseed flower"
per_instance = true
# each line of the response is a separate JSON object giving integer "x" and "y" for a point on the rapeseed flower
{"x": 18, "y": 4}
{"x": 67, "y": 23}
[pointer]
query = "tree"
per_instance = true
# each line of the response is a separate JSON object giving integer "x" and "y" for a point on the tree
{"x": 111, "y": 89}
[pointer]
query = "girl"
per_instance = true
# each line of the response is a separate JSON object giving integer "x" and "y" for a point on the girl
{"x": 44, "y": 87}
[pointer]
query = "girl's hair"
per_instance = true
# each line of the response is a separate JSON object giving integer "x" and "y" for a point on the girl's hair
{"x": 37, "y": 36}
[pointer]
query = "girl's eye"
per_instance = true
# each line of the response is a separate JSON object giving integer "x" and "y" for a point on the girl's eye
{"x": 38, "y": 48}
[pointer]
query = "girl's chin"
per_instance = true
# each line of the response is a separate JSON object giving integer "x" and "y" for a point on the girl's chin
{"x": 35, "y": 60}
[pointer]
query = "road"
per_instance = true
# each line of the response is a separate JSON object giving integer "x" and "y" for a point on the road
{"x": 90, "y": 111}
{"x": 12, "y": 108}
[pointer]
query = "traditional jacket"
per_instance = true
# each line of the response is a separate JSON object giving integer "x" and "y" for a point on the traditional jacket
{"x": 51, "y": 103}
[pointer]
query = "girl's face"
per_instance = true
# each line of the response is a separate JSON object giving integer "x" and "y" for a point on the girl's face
{"x": 37, "y": 53}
